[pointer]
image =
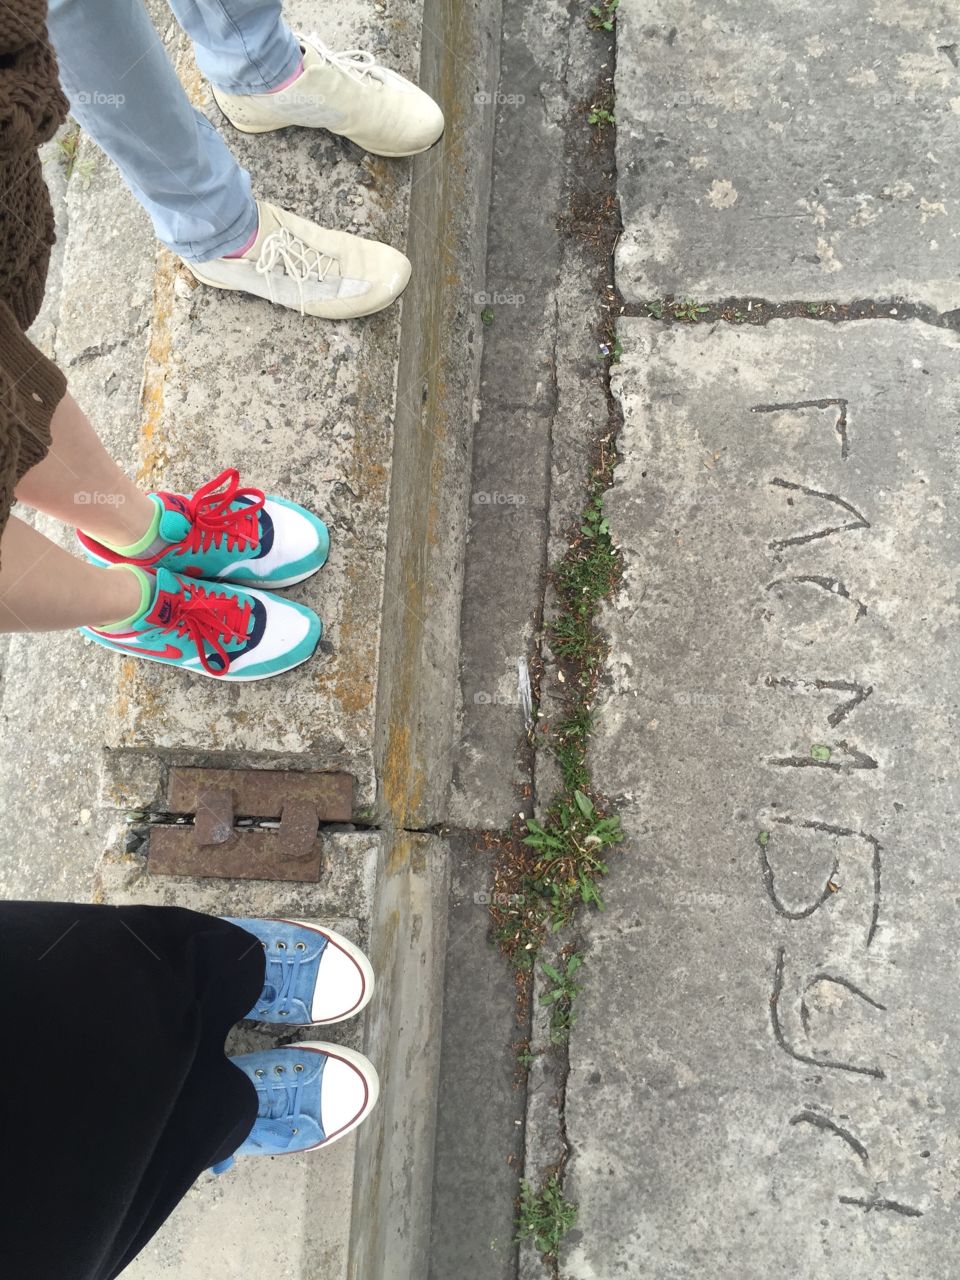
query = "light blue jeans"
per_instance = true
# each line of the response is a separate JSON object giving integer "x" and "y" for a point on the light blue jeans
{"x": 124, "y": 92}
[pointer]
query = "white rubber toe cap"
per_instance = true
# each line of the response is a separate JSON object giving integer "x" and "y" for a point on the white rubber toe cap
{"x": 344, "y": 982}
{"x": 349, "y": 1091}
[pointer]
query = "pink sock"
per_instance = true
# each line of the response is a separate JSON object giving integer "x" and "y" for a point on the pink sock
{"x": 290, "y": 79}
{"x": 238, "y": 253}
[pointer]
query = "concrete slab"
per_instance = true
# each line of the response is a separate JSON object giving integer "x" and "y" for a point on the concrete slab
{"x": 236, "y": 1224}
{"x": 763, "y": 1074}
{"x": 479, "y": 1112}
{"x": 789, "y": 152}
{"x": 300, "y": 406}
{"x": 515, "y": 408}
{"x": 390, "y": 1229}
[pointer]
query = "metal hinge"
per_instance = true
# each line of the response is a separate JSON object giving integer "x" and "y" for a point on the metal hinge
{"x": 282, "y": 842}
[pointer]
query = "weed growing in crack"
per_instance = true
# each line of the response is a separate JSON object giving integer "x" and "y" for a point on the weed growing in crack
{"x": 526, "y": 1057}
{"x": 600, "y": 111}
{"x": 603, "y": 16}
{"x": 601, "y": 116}
{"x": 561, "y": 997}
{"x": 759, "y": 311}
{"x": 689, "y": 310}
{"x": 569, "y": 867}
{"x": 68, "y": 149}
{"x": 559, "y": 861}
{"x": 585, "y": 577}
{"x": 684, "y": 310}
{"x": 544, "y": 1216}
{"x": 611, "y": 348}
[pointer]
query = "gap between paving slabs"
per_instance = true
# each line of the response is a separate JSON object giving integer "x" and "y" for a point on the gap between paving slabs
{"x": 759, "y": 311}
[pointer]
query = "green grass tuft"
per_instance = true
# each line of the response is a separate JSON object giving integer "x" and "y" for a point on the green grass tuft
{"x": 544, "y": 1216}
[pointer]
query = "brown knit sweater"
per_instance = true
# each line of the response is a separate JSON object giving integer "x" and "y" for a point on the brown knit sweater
{"x": 32, "y": 107}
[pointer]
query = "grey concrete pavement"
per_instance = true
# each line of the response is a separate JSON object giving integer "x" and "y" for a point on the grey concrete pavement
{"x": 765, "y": 1066}
{"x": 771, "y": 150}
{"x": 764, "y": 1071}
{"x": 480, "y": 1107}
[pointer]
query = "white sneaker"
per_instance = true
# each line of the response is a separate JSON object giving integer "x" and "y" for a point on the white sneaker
{"x": 348, "y": 93}
{"x": 317, "y": 272}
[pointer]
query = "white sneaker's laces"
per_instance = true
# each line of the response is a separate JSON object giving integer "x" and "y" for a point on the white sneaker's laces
{"x": 358, "y": 64}
{"x": 298, "y": 259}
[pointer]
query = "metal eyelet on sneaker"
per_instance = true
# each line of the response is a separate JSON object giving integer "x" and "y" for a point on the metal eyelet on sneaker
{"x": 294, "y": 1132}
{"x": 298, "y": 1066}
{"x": 301, "y": 946}
{"x": 258, "y": 1072}
{"x": 281, "y": 946}
{"x": 282, "y": 1013}
{"x": 279, "y": 1071}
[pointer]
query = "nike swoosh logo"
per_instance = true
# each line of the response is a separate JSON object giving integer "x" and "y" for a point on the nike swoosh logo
{"x": 171, "y": 651}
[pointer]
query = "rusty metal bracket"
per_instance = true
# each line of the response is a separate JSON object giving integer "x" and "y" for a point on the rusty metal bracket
{"x": 289, "y": 848}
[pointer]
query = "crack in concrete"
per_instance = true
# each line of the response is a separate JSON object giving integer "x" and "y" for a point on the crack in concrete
{"x": 106, "y": 348}
{"x": 738, "y": 311}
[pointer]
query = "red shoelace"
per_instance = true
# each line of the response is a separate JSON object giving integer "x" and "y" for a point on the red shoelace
{"x": 203, "y": 617}
{"x": 212, "y": 520}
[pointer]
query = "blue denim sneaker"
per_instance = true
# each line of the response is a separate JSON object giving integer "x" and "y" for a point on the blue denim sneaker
{"x": 313, "y": 975}
{"x": 308, "y": 1095}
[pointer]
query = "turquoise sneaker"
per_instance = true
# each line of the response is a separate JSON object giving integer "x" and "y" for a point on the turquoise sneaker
{"x": 309, "y": 1095}
{"x": 313, "y": 975}
{"x": 216, "y": 629}
{"x": 225, "y": 533}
